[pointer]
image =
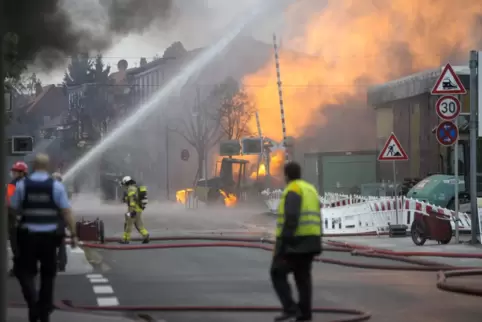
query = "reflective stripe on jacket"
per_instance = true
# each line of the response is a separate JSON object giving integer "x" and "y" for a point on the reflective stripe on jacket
{"x": 132, "y": 199}
{"x": 11, "y": 187}
{"x": 10, "y": 191}
{"x": 309, "y": 222}
{"x": 38, "y": 205}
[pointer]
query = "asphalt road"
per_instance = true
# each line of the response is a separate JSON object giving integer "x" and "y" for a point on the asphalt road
{"x": 236, "y": 276}
{"x": 75, "y": 287}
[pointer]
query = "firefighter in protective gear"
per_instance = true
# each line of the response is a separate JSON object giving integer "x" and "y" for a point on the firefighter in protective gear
{"x": 18, "y": 171}
{"x": 298, "y": 241}
{"x": 136, "y": 200}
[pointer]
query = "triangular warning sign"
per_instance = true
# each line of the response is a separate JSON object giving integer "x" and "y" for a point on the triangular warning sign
{"x": 392, "y": 151}
{"x": 448, "y": 83}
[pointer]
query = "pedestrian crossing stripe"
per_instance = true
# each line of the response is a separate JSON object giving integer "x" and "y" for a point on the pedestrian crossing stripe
{"x": 392, "y": 151}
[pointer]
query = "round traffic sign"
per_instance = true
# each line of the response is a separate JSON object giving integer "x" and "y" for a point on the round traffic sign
{"x": 185, "y": 155}
{"x": 447, "y": 133}
{"x": 448, "y": 107}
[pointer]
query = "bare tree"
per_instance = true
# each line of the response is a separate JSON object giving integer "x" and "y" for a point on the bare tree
{"x": 199, "y": 124}
{"x": 224, "y": 113}
{"x": 236, "y": 111}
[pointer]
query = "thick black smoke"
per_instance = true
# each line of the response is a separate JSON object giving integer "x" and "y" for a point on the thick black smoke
{"x": 47, "y": 33}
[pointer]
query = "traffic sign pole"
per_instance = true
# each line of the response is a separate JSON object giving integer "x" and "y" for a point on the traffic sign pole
{"x": 456, "y": 197}
{"x": 448, "y": 109}
{"x": 473, "y": 145}
{"x": 393, "y": 151}
{"x": 395, "y": 190}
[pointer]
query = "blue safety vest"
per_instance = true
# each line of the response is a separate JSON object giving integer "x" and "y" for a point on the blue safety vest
{"x": 38, "y": 206}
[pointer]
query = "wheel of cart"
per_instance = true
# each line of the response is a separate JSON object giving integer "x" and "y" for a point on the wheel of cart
{"x": 418, "y": 231}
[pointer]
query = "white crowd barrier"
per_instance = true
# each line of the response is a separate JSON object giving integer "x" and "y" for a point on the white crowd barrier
{"x": 361, "y": 215}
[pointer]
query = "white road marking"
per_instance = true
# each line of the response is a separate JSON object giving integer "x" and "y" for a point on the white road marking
{"x": 77, "y": 250}
{"x": 99, "y": 280}
{"x": 107, "y": 301}
{"x": 102, "y": 290}
{"x": 94, "y": 276}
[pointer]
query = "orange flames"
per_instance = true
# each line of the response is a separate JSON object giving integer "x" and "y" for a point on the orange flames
{"x": 348, "y": 44}
{"x": 275, "y": 166}
{"x": 181, "y": 195}
{"x": 230, "y": 200}
{"x": 261, "y": 172}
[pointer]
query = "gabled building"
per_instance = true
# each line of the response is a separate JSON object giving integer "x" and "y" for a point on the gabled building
{"x": 39, "y": 112}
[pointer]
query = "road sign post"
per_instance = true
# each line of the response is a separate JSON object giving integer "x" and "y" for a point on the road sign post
{"x": 185, "y": 155}
{"x": 475, "y": 104}
{"x": 456, "y": 192}
{"x": 393, "y": 151}
{"x": 448, "y": 109}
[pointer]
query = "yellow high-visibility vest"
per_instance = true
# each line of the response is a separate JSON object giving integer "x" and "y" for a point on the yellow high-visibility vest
{"x": 309, "y": 223}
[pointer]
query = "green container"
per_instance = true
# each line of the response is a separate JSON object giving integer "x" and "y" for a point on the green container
{"x": 438, "y": 190}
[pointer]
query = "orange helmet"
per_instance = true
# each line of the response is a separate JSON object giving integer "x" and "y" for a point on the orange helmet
{"x": 20, "y": 166}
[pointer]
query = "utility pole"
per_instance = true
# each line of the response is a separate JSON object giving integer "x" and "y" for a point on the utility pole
{"x": 167, "y": 159}
{"x": 3, "y": 216}
{"x": 473, "y": 63}
{"x": 280, "y": 95}
{"x": 201, "y": 131}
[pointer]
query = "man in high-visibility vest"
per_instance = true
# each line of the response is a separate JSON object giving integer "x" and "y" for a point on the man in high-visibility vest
{"x": 18, "y": 172}
{"x": 298, "y": 241}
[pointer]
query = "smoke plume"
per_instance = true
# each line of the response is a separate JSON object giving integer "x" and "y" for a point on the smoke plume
{"x": 48, "y": 31}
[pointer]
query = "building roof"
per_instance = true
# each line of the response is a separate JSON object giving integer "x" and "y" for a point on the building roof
{"x": 409, "y": 86}
{"x": 36, "y": 99}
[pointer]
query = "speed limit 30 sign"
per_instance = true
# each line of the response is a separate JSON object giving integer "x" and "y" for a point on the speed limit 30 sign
{"x": 448, "y": 107}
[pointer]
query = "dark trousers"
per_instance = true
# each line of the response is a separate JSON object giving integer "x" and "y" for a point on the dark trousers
{"x": 300, "y": 265}
{"x": 62, "y": 256}
{"x": 12, "y": 236}
{"x": 12, "y": 233}
{"x": 34, "y": 249}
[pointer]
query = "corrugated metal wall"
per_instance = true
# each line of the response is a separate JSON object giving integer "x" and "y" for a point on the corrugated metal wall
{"x": 346, "y": 173}
{"x": 311, "y": 169}
{"x": 340, "y": 172}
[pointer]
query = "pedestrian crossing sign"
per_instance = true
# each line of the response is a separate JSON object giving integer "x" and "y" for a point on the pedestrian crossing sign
{"x": 393, "y": 151}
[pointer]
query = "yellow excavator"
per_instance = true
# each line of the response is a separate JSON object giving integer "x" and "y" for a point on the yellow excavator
{"x": 226, "y": 186}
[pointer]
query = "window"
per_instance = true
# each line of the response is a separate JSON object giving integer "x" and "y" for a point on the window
{"x": 229, "y": 148}
{"x": 22, "y": 144}
{"x": 252, "y": 146}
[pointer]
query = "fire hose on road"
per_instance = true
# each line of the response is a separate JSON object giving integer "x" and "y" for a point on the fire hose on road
{"x": 445, "y": 271}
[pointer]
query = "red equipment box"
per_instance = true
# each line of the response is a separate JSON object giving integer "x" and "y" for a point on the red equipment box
{"x": 434, "y": 226}
{"x": 91, "y": 230}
